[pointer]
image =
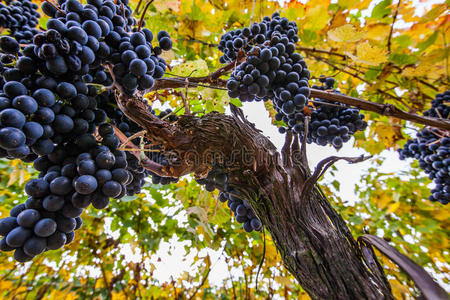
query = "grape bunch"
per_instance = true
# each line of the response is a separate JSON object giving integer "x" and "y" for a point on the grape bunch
{"x": 431, "y": 148}
{"x": 136, "y": 64}
{"x": 257, "y": 34}
{"x": 34, "y": 119}
{"x": 75, "y": 175}
{"x": 83, "y": 38}
{"x": 217, "y": 178}
{"x": 272, "y": 69}
{"x": 242, "y": 211}
{"x": 21, "y": 18}
{"x": 51, "y": 115}
{"x": 330, "y": 122}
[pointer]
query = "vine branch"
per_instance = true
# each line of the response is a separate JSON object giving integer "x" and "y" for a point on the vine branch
{"x": 383, "y": 109}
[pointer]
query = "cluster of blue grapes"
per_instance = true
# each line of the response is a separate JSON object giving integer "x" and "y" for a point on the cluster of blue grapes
{"x": 72, "y": 177}
{"x": 242, "y": 211}
{"x": 39, "y": 112}
{"x": 218, "y": 179}
{"x": 257, "y": 34}
{"x": 273, "y": 71}
{"x": 137, "y": 64}
{"x": 331, "y": 122}
{"x": 52, "y": 116}
{"x": 21, "y": 18}
{"x": 431, "y": 148}
{"x": 82, "y": 38}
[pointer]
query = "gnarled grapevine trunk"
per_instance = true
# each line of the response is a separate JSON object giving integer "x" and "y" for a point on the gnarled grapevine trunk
{"x": 315, "y": 244}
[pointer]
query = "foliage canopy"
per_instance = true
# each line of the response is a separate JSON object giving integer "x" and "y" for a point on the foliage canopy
{"x": 382, "y": 51}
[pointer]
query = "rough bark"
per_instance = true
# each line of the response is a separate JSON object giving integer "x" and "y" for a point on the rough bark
{"x": 315, "y": 244}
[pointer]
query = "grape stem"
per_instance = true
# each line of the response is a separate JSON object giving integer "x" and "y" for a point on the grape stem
{"x": 146, "y": 163}
{"x": 129, "y": 139}
{"x": 56, "y": 7}
{"x": 141, "y": 21}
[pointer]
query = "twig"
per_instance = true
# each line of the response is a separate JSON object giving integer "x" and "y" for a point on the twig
{"x": 137, "y": 134}
{"x": 56, "y": 7}
{"x": 392, "y": 26}
{"x": 146, "y": 163}
{"x": 184, "y": 97}
{"x": 143, "y": 15}
{"x": 137, "y": 7}
{"x": 212, "y": 45}
{"x": 362, "y": 79}
{"x": 323, "y": 166}
{"x": 212, "y": 78}
{"x": 329, "y": 52}
{"x": 262, "y": 259}
{"x": 140, "y": 150}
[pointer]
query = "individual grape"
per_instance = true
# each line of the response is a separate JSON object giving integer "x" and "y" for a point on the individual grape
{"x": 4, "y": 246}
{"x": 9, "y": 45}
{"x": 21, "y": 256}
{"x": 11, "y": 138}
{"x": 81, "y": 201}
{"x": 33, "y": 130}
{"x": 53, "y": 203}
{"x": 7, "y": 224}
{"x": 17, "y": 237}
{"x": 79, "y": 223}
{"x": 45, "y": 227}
{"x": 65, "y": 224}
{"x": 44, "y": 97}
{"x": 61, "y": 186}
{"x": 85, "y": 184}
{"x": 105, "y": 160}
{"x": 37, "y": 188}
{"x": 56, "y": 240}
{"x": 100, "y": 201}
{"x": 28, "y": 218}
{"x": 34, "y": 246}
{"x": 25, "y": 104}
{"x": 16, "y": 210}
{"x": 11, "y": 117}
{"x": 111, "y": 189}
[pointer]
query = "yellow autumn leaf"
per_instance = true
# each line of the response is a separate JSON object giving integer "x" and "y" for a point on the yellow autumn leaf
{"x": 370, "y": 55}
{"x": 13, "y": 177}
{"x": 392, "y": 208}
{"x": 168, "y": 56}
{"x": 378, "y": 31}
{"x": 345, "y": 33}
{"x": 383, "y": 200}
{"x": 316, "y": 18}
{"x": 386, "y": 134}
{"x": 197, "y": 67}
{"x": 282, "y": 280}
